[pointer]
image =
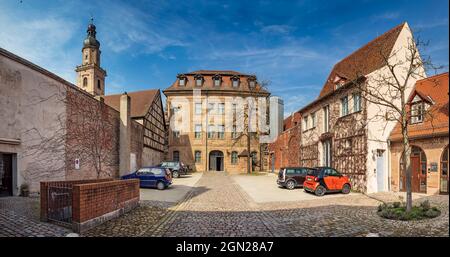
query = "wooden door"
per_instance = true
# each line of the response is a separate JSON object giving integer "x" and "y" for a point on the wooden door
{"x": 5, "y": 174}
{"x": 415, "y": 174}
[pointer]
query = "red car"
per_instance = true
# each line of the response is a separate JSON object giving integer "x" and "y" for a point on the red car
{"x": 321, "y": 180}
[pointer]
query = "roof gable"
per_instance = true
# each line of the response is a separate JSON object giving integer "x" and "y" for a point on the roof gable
{"x": 363, "y": 61}
{"x": 141, "y": 101}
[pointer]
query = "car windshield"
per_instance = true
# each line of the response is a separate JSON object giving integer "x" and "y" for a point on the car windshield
{"x": 313, "y": 172}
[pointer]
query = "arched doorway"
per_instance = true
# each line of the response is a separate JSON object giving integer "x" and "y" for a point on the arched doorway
{"x": 418, "y": 161}
{"x": 216, "y": 160}
{"x": 444, "y": 171}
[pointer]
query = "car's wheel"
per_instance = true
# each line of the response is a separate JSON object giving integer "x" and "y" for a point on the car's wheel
{"x": 320, "y": 191}
{"x": 175, "y": 174}
{"x": 346, "y": 189}
{"x": 160, "y": 185}
{"x": 290, "y": 184}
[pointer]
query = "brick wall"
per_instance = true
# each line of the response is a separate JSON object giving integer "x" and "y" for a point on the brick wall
{"x": 65, "y": 184}
{"x": 285, "y": 149}
{"x": 95, "y": 203}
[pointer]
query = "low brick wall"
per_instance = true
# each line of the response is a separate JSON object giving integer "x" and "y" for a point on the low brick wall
{"x": 95, "y": 203}
{"x": 66, "y": 184}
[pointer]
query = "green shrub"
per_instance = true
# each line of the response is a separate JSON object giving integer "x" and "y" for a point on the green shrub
{"x": 425, "y": 205}
{"x": 397, "y": 204}
{"x": 397, "y": 211}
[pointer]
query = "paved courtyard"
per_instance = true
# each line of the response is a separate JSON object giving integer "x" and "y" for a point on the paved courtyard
{"x": 216, "y": 204}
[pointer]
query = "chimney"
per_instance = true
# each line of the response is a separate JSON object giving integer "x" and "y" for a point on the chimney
{"x": 125, "y": 135}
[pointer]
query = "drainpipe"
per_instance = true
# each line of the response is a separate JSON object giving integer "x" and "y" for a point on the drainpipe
{"x": 389, "y": 163}
{"x": 207, "y": 130}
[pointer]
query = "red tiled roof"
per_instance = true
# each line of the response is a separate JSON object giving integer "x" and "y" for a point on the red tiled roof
{"x": 436, "y": 120}
{"x": 140, "y": 101}
{"x": 364, "y": 60}
{"x": 208, "y": 83}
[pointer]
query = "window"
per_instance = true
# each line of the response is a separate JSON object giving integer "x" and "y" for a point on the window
{"x": 235, "y": 81}
{"x": 198, "y": 108}
{"x": 305, "y": 123}
{"x": 417, "y": 110}
{"x": 99, "y": 85}
{"x": 176, "y": 156}
{"x": 234, "y": 132}
{"x": 217, "y": 80}
{"x": 344, "y": 106}
{"x": 252, "y": 83}
{"x": 85, "y": 82}
{"x": 143, "y": 171}
{"x": 182, "y": 81}
{"x": 198, "y": 156}
{"x": 198, "y": 131}
{"x": 234, "y": 157}
{"x": 326, "y": 118}
{"x": 313, "y": 120}
{"x": 176, "y": 134}
{"x": 221, "y": 131}
{"x": 198, "y": 80}
{"x": 254, "y": 156}
{"x": 156, "y": 171}
{"x": 221, "y": 108}
{"x": 326, "y": 147}
{"x": 211, "y": 131}
{"x": 357, "y": 102}
{"x": 210, "y": 107}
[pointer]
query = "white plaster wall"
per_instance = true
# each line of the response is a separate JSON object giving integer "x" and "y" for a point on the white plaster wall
{"x": 32, "y": 110}
{"x": 379, "y": 129}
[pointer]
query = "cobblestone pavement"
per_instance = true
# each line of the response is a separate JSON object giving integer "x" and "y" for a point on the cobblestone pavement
{"x": 218, "y": 207}
{"x": 19, "y": 217}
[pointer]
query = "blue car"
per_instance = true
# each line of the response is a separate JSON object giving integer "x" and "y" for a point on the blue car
{"x": 157, "y": 177}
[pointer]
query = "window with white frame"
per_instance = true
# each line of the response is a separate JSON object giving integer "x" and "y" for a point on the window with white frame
{"x": 211, "y": 131}
{"x": 182, "y": 81}
{"x": 198, "y": 131}
{"x": 235, "y": 81}
{"x": 217, "y": 81}
{"x": 221, "y": 131}
{"x": 198, "y": 156}
{"x": 198, "y": 81}
{"x": 305, "y": 123}
{"x": 356, "y": 102}
{"x": 198, "y": 108}
{"x": 313, "y": 120}
{"x": 221, "y": 107}
{"x": 326, "y": 118}
{"x": 417, "y": 112}
{"x": 344, "y": 106}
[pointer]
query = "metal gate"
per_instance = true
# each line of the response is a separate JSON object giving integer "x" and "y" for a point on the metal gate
{"x": 59, "y": 204}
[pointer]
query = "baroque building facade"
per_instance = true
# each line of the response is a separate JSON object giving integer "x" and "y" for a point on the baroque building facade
{"x": 206, "y": 131}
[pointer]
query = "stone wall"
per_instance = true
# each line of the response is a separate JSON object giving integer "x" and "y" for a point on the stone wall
{"x": 433, "y": 148}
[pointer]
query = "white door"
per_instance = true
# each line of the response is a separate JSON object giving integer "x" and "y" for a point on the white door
{"x": 380, "y": 171}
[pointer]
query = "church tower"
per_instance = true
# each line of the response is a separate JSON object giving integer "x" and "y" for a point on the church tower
{"x": 90, "y": 76}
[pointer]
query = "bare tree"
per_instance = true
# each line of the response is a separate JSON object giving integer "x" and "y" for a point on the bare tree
{"x": 249, "y": 112}
{"x": 91, "y": 132}
{"x": 389, "y": 91}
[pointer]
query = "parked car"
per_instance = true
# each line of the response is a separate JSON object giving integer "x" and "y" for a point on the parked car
{"x": 177, "y": 168}
{"x": 321, "y": 180}
{"x": 158, "y": 177}
{"x": 292, "y": 177}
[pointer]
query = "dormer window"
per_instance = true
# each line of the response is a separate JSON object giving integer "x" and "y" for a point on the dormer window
{"x": 182, "y": 80}
{"x": 252, "y": 82}
{"x": 235, "y": 81}
{"x": 198, "y": 80}
{"x": 417, "y": 112}
{"x": 217, "y": 80}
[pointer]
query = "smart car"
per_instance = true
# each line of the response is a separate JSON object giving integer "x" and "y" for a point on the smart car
{"x": 321, "y": 180}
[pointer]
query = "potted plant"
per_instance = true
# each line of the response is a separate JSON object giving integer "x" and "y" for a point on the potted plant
{"x": 24, "y": 190}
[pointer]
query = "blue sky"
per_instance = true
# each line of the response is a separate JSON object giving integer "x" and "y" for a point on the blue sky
{"x": 145, "y": 44}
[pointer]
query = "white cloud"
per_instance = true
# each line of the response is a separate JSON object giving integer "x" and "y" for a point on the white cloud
{"x": 42, "y": 40}
{"x": 277, "y": 29}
